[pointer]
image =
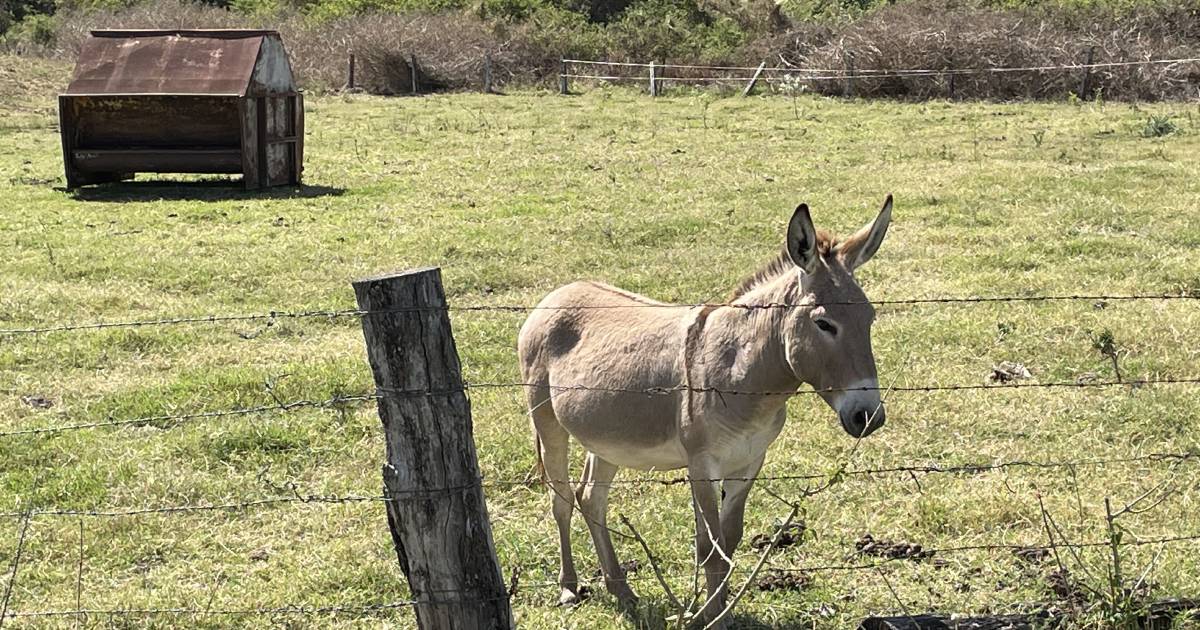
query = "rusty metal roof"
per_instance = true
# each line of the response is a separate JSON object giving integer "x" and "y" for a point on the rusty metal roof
{"x": 135, "y": 62}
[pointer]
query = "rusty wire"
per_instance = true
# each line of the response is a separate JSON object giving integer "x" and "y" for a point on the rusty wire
{"x": 340, "y": 313}
{"x": 380, "y": 393}
{"x": 367, "y": 609}
{"x": 430, "y": 493}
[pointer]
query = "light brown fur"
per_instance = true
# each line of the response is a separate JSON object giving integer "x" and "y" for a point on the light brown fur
{"x": 592, "y": 356}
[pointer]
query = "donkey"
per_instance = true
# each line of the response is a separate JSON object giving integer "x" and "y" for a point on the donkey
{"x": 640, "y": 384}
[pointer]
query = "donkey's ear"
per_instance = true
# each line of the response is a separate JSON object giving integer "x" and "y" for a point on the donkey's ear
{"x": 858, "y": 249}
{"x": 802, "y": 239}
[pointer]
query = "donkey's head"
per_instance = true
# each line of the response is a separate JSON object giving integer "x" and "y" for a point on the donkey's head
{"x": 829, "y": 342}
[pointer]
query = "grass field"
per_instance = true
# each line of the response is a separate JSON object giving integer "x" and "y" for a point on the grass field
{"x": 677, "y": 198}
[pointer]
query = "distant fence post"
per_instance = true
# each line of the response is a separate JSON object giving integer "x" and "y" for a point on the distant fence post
{"x": 950, "y": 79}
{"x": 436, "y": 512}
{"x": 1086, "y": 84}
{"x": 562, "y": 77}
{"x": 653, "y": 81}
{"x": 754, "y": 79}
{"x": 848, "y": 91}
{"x": 350, "y": 74}
{"x": 412, "y": 65}
{"x": 487, "y": 74}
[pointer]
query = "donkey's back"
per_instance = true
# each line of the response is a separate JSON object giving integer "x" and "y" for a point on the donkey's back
{"x": 590, "y": 352}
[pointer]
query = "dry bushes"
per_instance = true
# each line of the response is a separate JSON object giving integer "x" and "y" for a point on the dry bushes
{"x": 941, "y": 37}
{"x": 935, "y": 35}
{"x": 449, "y": 48}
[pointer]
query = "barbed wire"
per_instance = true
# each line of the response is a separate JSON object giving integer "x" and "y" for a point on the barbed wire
{"x": 342, "y": 400}
{"x": 483, "y": 482}
{"x": 867, "y": 73}
{"x": 293, "y": 609}
{"x": 922, "y": 555}
{"x": 185, "y": 417}
{"x": 840, "y": 73}
{"x": 1007, "y": 385}
{"x": 518, "y": 308}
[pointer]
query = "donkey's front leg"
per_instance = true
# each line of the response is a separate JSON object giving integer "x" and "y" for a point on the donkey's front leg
{"x": 735, "y": 491}
{"x": 711, "y": 550}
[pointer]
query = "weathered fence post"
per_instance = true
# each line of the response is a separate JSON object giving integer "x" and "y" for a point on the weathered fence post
{"x": 412, "y": 66}
{"x": 754, "y": 79}
{"x": 350, "y": 74}
{"x": 950, "y": 79}
{"x": 653, "y": 81}
{"x": 487, "y": 74}
{"x": 849, "y": 88}
{"x": 436, "y": 514}
{"x": 562, "y": 77}
{"x": 1086, "y": 84}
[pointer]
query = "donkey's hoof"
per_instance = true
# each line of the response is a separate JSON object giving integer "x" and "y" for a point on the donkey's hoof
{"x": 570, "y": 598}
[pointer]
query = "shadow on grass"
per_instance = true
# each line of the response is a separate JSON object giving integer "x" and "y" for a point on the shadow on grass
{"x": 204, "y": 190}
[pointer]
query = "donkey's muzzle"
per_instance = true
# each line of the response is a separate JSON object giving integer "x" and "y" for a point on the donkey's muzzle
{"x": 863, "y": 421}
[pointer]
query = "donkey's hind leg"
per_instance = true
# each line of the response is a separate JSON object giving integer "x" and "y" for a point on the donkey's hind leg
{"x": 593, "y": 504}
{"x": 553, "y": 446}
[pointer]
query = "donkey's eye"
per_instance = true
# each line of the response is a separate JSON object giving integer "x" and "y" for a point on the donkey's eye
{"x": 825, "y": 326}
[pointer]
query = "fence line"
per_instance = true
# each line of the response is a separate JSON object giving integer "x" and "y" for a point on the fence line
{"x": 827, "y": 74}
{"x": 342, "y": 400}
{"x": 319, "y": 499}
{"x": 366, "y": 609}
{"x": 518, "y": 308}
{"x": 333, "y": 402}
{"x": 849, "y": 564}
{"x": 839, "y": 73}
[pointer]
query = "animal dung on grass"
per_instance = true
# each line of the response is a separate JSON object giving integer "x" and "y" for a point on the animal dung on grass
{"x": 778, "y": 580}
{"x": 790, "y": 535}
{"x": 891, "y": 549}
{"x": 182, "y": 101}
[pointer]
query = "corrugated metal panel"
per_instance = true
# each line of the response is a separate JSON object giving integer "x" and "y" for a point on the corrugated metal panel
{"x": 168, "y": 62}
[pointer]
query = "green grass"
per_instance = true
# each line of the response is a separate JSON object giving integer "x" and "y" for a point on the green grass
{"x": 514, "y": 195}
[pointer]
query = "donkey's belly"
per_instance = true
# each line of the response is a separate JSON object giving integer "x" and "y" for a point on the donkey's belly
{"x": 665, "y": 456}
{"x": 629, "y": 430}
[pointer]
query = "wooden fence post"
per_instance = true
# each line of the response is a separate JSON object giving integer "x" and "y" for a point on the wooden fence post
{"x": 487, "y": 74}
{"x": 437, "y": 515}
{"x": 849, "y": 88}
{"x": 1084, "y": 87}
{"x": 754, "y": 79}
{"x": 562, "y": 77}
{"x": 950, "y": 79}
{"x": 350, "y": 77}
{"x": 653, "y": 82}
{"x": 412, "y": 66}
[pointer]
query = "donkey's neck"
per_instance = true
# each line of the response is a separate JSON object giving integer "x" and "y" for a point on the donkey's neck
{"x": 746, "y": 344}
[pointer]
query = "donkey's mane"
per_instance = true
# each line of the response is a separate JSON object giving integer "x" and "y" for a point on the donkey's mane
{"x": 782, "y": 262}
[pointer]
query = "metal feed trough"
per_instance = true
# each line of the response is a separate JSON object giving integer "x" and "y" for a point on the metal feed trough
{"x": 182, "y": 101}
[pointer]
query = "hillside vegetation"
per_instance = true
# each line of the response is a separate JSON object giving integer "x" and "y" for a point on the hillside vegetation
{"x": 526, "y": 39}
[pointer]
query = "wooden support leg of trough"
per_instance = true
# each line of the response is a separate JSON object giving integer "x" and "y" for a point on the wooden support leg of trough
{"x": 436, "y": 512}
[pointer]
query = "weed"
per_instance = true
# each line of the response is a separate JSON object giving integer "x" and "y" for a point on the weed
{"x": 1159, "y": 126}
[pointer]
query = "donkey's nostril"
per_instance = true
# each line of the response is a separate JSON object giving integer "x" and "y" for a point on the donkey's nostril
{"x": 863, "y": 422}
